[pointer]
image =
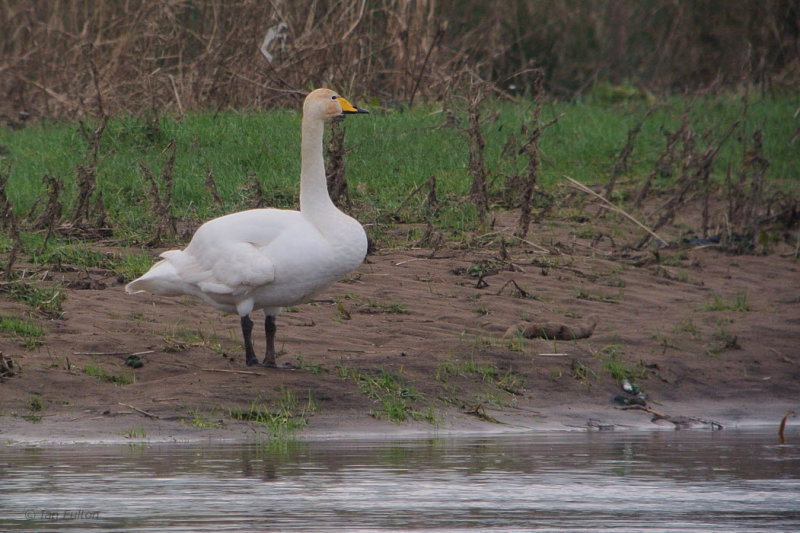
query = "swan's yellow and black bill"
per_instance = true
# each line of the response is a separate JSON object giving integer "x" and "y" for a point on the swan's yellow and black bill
{"x": 347, "y": 107}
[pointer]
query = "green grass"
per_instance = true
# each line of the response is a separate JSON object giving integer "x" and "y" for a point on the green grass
{"x": 28, "y": 332}
{"x": 584, "y": 294}
{"x": 395, "y": 397}
{"x": 178, "y": 338}
{"x": 135, "y": 432}
{"x": 35, "y": 407}
{"x": 282, "y": 417}
{"x": 506, "y": 381}
{"x": 613, "y": 363}
{"x": 391, "y": 153}
{"x": 199, "y": 421}
{"x": 97, "y": 370}
{"x": 737, "y": 303}
{"x": 36, "y": 403}
{"x": 44, "y": 299}
{"x": 722, "y": 341}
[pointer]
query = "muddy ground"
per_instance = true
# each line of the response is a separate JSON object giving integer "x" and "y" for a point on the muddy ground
{"x": 707, "y": 337}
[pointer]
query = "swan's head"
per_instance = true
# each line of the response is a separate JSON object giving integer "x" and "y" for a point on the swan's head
{"x": 325, "y": 104}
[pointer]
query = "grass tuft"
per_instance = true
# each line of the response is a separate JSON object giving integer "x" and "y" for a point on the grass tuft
{"x": 101, "y": 374}
{"x": 282, "y": 418}
{"x": 737, "y": 303}
{"x": 29, "y": 332}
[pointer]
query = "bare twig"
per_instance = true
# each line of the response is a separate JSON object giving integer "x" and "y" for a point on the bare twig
{"x": 211, "y": 187}
{"x": 430, "y": 182}
{"x": 129, "y": 354}
{"x": 583, "y": 188}
{"x": 231, "y": 371}
{"x": 434, "y": 43}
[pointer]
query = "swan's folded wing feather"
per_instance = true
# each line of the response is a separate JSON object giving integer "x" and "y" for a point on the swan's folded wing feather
{"x": 233, "y": 268}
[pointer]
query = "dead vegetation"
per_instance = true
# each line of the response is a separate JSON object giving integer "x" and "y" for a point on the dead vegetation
{"x": 180, "y": 56}
{"x": 8, "y": 221}
{"x": 335, "y": 169}
{"x": 150, "y": 59}
{"x": 161, "y": 197}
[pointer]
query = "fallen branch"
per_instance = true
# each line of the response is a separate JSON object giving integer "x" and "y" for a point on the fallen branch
{"x": 145, "y": 413}
{"x": 680, "y": 422}
{"x": 781, "y": 438}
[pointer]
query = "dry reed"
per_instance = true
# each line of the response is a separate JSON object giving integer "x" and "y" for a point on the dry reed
{"x": 177, "y": 56}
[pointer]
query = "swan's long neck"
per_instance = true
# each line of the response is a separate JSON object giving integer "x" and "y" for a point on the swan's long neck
{"x": 314, "y": 198}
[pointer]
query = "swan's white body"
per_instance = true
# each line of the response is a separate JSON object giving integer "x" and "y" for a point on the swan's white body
{"x": 259, "y": 259}
{"x": 269, "y": 258}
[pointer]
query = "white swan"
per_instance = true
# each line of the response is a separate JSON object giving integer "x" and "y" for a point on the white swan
{"x": 269, "y": 258}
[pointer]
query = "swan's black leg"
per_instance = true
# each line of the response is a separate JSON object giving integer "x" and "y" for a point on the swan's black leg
{"x": 270, "y": 328}
{"x": 247, "y": 333}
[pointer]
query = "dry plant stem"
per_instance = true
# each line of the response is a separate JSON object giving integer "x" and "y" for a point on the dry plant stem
{"x": 211, "y": 187}
{"x": 434, "y": 43}
{"x": 667, "y": 158}
{"x": 6, "y": 214}
{"x": 86, "y": 172}
{"x": 431, "y": 183}
{"x": 336, "y": 170}
{"x": 621, "y": 165}
{"x": 531, "y": 150}
{"x": 746, "y": 196}
{"x": 231, "y": 371}
{"x": 9, "y": 221}
{"x": 51, "y": 214}
{"x": 583, "y": 188}
{"x": 162, "y": 201}
{"x": 522, "y": 292}
{"x": 86, "y": 175}
{"x": 256, "y": 192}
{"x": 695, "y": 169}
{"x": 479, "y": 191}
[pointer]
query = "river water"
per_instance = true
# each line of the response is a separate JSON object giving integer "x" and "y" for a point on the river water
{"x": 662, "y": 481}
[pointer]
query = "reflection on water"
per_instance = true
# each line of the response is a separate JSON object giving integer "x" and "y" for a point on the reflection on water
{"x": 676, "y": 481}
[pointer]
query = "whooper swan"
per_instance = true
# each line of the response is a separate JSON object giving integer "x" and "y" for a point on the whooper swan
{"x": 269, "y": 258}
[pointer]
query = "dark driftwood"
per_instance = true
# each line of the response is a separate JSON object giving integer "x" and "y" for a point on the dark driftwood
{"x": 554, "y": 330}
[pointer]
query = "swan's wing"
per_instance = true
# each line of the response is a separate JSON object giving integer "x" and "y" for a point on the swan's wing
{"x": 230, "y": 254}
{"x": 232, "y": 269}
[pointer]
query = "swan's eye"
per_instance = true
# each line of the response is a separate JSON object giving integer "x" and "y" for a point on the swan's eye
{"x": 334, "y": 97}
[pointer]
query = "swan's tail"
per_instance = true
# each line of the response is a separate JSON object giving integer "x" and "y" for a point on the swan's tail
{"x": 162, "y": 279}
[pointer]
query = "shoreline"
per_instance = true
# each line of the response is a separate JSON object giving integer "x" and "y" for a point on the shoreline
{"x": 67, "y": 430}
